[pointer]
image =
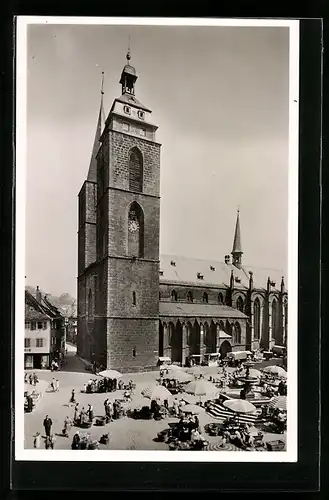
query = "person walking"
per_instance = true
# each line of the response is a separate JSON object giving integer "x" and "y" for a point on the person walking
{"x": 90, "y": 413}
{"x": 72, "y": 400}
{"x": 47, "y": 423}
{"x": 37, "y": 440}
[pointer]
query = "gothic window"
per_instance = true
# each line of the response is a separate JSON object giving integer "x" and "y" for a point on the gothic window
{"x": 135, "y": 231}
{"x": 220, "y": 298}
{"x": 174, "y": 295}
{"x": 257, "y": 319}
{"x": 135, "y": 170}
{"x": 189, "y": 297}
{"x": 239, "y": 304}
{"x": 228, "y": 328}
{"x": 90, "y": 305}
{"x": 237, "y": 329}
{"x": 275, "y": 310}
{"x": 205, "y": 297}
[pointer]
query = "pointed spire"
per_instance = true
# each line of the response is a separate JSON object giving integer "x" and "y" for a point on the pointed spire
{"x": 283, "y": 288}
{"x": 237, "y": 247}
{"x": 92, "y": 172}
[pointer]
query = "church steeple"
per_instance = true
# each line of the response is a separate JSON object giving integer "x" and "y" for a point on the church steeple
{"x": 92, "y": 172}
{"x": 128, "y": 77}
{"x": 237, "y": 247}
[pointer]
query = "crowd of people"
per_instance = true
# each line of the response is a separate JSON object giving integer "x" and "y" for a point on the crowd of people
{"x": 31, "y": 379}
{"x": 106, "y": 384}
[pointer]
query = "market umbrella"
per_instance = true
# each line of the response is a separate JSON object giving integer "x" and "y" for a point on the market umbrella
{"x": 171, "y": 367}
{"x": 195, "y": 370}
{"x": 110, "y": 374}
{"x": 181, "y": 377}
{"x": 157, "y": 392}
{"x": 201, "y": 388}
{"x": 190, "y": 408}
{"x": 279, "y": 402}
{"x": 275, "y": 370}
{"x": 240, "y": 406}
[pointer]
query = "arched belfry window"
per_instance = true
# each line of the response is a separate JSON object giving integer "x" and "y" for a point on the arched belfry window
{"x": 135, "y": 170}
{"x": 174, "y": 295}
{"x": 205, "y": 297}
{"x": 220, "y": 298}
{"x": 135, "y": 230}
{"x": 189, "y": 296}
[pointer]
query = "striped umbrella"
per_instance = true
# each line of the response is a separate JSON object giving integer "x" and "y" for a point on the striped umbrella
{"x": 240, "y": 406}
{"x": 275, "y": 370}
{"x": 221, "y": 413}
{"x": 157, "y": 392}
{"x": 222, "y": 447}
{"x": 279, "y": 402}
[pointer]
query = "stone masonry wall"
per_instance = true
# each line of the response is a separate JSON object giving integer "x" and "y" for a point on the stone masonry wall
{"x": 127, "y": 337}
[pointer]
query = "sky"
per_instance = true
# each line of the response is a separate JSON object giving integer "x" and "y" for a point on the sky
{"x": 219, "y": 96}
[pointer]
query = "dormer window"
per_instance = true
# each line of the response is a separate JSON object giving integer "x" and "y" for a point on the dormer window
{"x": 212, "y": 268}
{"x": 141, "y": 115}
{"x": 199, "y": 276}
{"x": 238, "y": 280}
{"x": 161, "y": 273}
{"x": 126, "y": 109}
{"x": 172, "y": 263}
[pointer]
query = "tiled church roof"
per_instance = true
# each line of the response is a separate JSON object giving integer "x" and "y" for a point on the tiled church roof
{"x": 214, "y": 273}
{"x": 201, "y": 310}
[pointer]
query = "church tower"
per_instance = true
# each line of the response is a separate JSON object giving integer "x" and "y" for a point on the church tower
{"x": 127, "y": 248}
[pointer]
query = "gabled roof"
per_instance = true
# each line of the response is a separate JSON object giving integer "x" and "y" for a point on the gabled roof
{"x": 201, "y": 310}
{"x": 186, "y": 269}
{"x": 43, "y": 310}
{"x": 35, "y": 310}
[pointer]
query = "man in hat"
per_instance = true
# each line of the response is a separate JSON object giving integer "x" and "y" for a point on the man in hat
{"x": 47, "y": 423}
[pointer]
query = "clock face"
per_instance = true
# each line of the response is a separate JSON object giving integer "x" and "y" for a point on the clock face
{"x": 133, "y": 226}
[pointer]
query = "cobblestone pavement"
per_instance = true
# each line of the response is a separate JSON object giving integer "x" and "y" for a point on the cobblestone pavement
{"x": 125, "y": 433}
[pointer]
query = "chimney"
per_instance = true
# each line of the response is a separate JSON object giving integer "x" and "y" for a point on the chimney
{"x": 38, "y": 295}
{"x": 227, "y": 259}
